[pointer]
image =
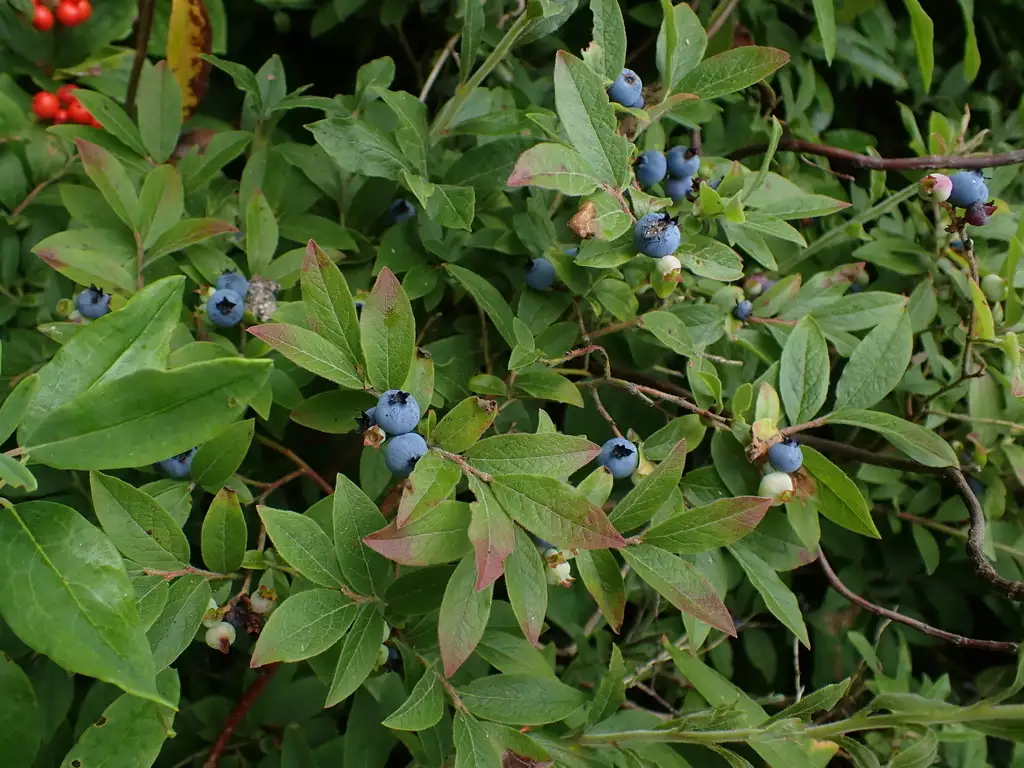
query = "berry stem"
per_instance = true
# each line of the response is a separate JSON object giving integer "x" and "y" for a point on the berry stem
{"x": 20, "y": 208}
{"x": 143, "y": 30}
{"x": 466, "y": 467}
{"x": 290, "y": 454}
{"x": 190, "y": 571}
{"x": 237, "y": 715}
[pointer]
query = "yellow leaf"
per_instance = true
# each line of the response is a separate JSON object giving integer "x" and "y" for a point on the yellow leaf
{"x": 188, "y": 38}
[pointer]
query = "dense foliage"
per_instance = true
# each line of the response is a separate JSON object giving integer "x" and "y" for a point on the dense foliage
{"x": 540, "y": 383}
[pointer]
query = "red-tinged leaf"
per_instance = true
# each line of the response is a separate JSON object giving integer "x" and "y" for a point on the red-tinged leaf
{"x": 312, "y": 352}
{"x": 553, "y": 166}
{"x": 431, "y": 482}
{"x": 427, "y": 538}
{"x": 554, "y": 510}
{"x": 463, "y": 616}
{"x": 679, "y": 582}
{"x": 387, "y": 333}
{"x": 491, "y": 533}
{"x": 718, "y": 524}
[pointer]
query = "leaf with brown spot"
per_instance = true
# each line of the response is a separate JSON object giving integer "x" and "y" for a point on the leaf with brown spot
{"x": 583, "y": 221}
{"x": 189, "y": 36}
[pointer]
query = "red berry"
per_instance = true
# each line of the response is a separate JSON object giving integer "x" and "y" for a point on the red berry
{"x": 85, "y": 9}
{"x": 42, "y": 18}
{"x": 64, "y": 93}
{"x": 78, "y": 113}
{"x": 45, "y": 105}
{"x": 96, "y": 123}
{"x": 69, "y": 13}
{"x": 61, "y": 117}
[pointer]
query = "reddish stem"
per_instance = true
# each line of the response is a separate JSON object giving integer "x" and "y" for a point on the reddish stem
{"x": 237, "y": 715}
{"x": 290, "y": 454}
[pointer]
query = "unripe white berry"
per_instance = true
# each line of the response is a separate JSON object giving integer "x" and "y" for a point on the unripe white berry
{"x": 669, "y": 264}
{"x": 212, "y": 616}
{"x": 220, "y": 636}
{"x": 777, "y": 486}
{"x": 382, "y": 657}
{"x": 560, "y": 574}
{"x": 263, "y": 601}
{"x": 936, "y": 187}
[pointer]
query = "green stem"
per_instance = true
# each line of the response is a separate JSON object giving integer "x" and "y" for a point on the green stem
{"x": 449, "y": 110}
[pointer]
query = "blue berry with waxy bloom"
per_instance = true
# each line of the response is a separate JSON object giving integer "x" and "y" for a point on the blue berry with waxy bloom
{"x": 656, "y": 235}
{"x": 626, "y": 89}
{"x": 92, "y": 302}
{"x": 677, "y": 188}
{"x": 619, "y": 456}
{"x": 969, "y": 187}
{"x": 397, "y": 412}
{"x": 367, "y": 419}
{"x": 400, "y": 210}
{"x": 403, "y": 451}
{"x": 233, "y": 281}
{"x": 638, "y": 102}
{"x": 650, "y": 168}
{"x": 540, "y": 274}
{"x": 225, "y": 308}
{"x": 682, "y": 162}
{"x": 743, "y": 309}
{"x": 571, "y": 251}
{"x": 180, "y": 466}
{"x": 786, "y": 456}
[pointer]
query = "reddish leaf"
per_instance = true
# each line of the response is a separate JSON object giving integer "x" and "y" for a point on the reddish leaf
{"x": 427, "y": 539}
{"x": 492, "y": 535}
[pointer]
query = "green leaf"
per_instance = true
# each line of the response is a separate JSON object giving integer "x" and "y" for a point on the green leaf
{"x": 411, "y": 129}
{"x": 130, "y": 732}
{"x": 554, "y": 510}
{"x": 603, "y": 580}
{"x": 310, "y": 351}
{"x": 354, "y": 517}
{"x": 111, "y": 179}
{"x": 588, "y": 119}
{"x": 669, "y": 330}
{"x": 21, "y": 723}
{"x": 611, "y": 694}
{"x": 555, "y": 454}
{"x": 187, "y": 601}
{"x": 526, "y": 583}
{"x": 732, "y": 71}
{"x": 159, "y": 111}
{"x": 91, "y": 256}
{"x": 521, "y": 699}
{"x": 609, "y": 37}
{"x": 218, "y": 459}
{"x": 554, "y": 166}
{"x": 718, "y": 524}
{"x": 183, "y": 234}
{"x": 16, "y": 474}
{"x": 547, "y": 385}
{"x": 222, "y": 149}
{"x": 332, "y": 311}
{"x": 474, "y": 747}
{"x": 640, "y": 504}
{"x": 923, "y": 31}
{"x": 137, "y": 525}
{"x": 920, "y": 444}
{"x": 429, "y": 537}
{"x": 779, "y": 599}
{"x": 432, "y": 481}
{"x": 463, "y": 425}
{"x": 681, "y": 43}
{"x": 304, "y": 545}
{"x": 17, "y": 404}
{"x": 857, "y": 311}
{"x": 707, "y": 257}
{"x": 113, "y": 118}
{"x": 713, "y": 687}
{"x": 463, "y": 616}
{"x": 358, "y": 653}
{"x": 984, "y": 327}
{"x": 224, "y": 533}
{"x": 679, "y": 582}
{"x": 825, "y": 12}
{"x": 425, "y": 705}
{"x": 804, "y": 371}
{"x": 161, "y": 203}
{"x": 487, "y": 296}
{"x": 491, "y": 533}
{"x": 451, "y": 206}
{"x": 617, "y": 297}
{"x": 305, "y": 625}
{"x": 877, "y": 364}
{"x": 82, "y": 613}
{"x": 472, "y": 32}
{"x": 841, "y": 499}
{"x": 360, "y": 148}
{"x": 261, "y": 234}
{"x": 146, "y": 416}
{"x": 508, "y": 652}
{"x": 972, "y": 58}
{"x": 822, "y": 700}
{"x": 387, "y": 333}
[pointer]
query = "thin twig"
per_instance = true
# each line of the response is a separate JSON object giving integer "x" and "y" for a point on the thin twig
{"x": 190, "y": 571}
{"x": 143, "y": 30}
{"x": 271, "y": 487}
{"x": 920, "y": 626}
{"x": 604, "y": 412}
{"x": 616, "y": 327}
{"x": 868, "y": 457}
{"x": 1010, "y": 425}
{"x": 237, "y": 715}
{"x": 723, "y": 17}
{"x": 34, "y": 192}
{"x": 466, "y": 467}
{"x": 927, "y": 522}
{"x": 972, "y": 317}
{"x": 290, "y": 454}
{"x": 445, "y": 53}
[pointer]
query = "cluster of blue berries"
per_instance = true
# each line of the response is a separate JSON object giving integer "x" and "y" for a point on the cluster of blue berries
{"x": 966, "y": 189}
{"x": 681, "y": 164}
{"x": 627, "y": 90}
{"x": 92, "y": 302}
{"x": 226, "y": 305}
{"x": 398, "y": 414}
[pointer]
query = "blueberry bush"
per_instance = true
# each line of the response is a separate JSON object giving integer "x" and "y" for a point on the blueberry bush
{"x": 619, "y": 383}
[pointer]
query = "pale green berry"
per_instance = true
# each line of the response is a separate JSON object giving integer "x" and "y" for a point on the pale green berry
{"x": 260, "y": 603}
{"x": 212, "y": 616}
{"x": 777, "y": 486}
{"x": 994, "y": 287}
{"x": 382, "y": 657}
{"x": 220, "y": 636}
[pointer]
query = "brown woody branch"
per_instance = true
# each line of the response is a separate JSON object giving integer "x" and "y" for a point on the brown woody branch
{"x": 927, "y": 629}
{"x": 143, "y": 31}
{"x": 858, "y": 160}
{"x": 237, "y": 715}
{"x": 297, "y": 461}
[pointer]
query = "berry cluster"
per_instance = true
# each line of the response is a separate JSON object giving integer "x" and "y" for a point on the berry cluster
{"x": 70, "y": 13}
{"x": 62, "y": 107}
{"x": 226, "y": 304}
{"x": 398, "y": 414}
{"x": 785, "y": 458}
{"x": 627, "y": 90}
{"x": 680, "y": 164}
{"x": 966, "y": 189}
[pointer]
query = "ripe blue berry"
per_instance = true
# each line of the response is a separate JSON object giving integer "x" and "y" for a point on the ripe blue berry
{"x": 682, "y": 162}
{"x": 650, "y": 168}
{"x": 225, "y": 308}
{"x": 656, "y": 235}
{"x": 233, "y": 281}
{"x": 620, "y": 457}
{"x": 638, "y": 102}
{"x": 743, "y": 309}
{"x": 400, "y": 210}
{"x": 968, "y": 187}
{"x": 786, "y": 456}
{"x": 677, "y": 188}
{"x": 571, "y": 251}
{"x": 397, "y": 412}
{"x": 92, "y": 302}
{"x": 540, "y": 274}
{"x": 626, "y": 89}
{"x": 178, "y": 466}
{"x": 402, "y": 452}
{"x": 367, "y": 419}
